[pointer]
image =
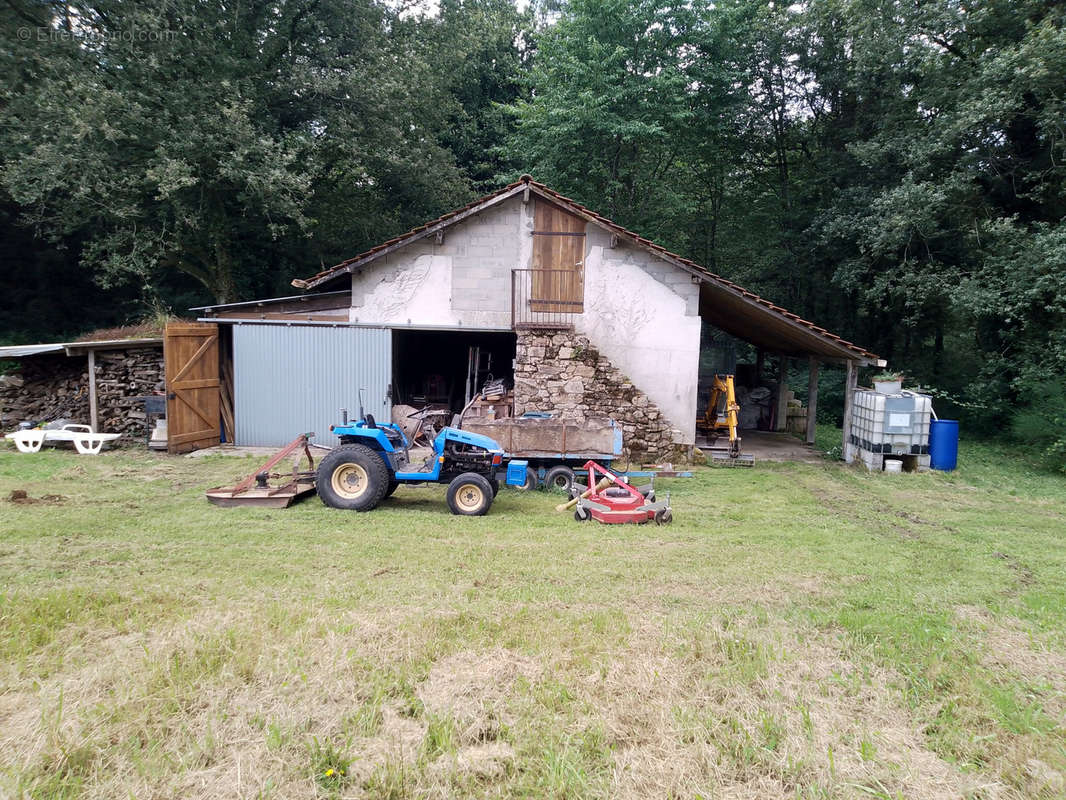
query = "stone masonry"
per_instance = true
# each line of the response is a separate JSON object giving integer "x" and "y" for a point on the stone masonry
{"x": 561, "y": 372}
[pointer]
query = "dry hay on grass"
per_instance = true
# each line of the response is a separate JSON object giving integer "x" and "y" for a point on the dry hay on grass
{"x": 471, "y": 687}
{"x": 733, "y": 710}
{"x": 486, "y": 762}
{"x": 1008, "y": 645}
{"x": 680, "y": 724}
{"x": 779, "y": 592}
{"x": 244, "y": 725}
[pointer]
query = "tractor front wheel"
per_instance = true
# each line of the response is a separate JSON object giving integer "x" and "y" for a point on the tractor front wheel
{"x": 352, "y": 477}
{"x": 470, "y": 495}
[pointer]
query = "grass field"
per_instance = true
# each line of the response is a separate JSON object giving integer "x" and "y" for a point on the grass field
{"x": 799, "y": 631}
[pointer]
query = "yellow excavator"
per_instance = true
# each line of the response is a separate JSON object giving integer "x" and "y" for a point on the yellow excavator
{"x": 722, "y": 415}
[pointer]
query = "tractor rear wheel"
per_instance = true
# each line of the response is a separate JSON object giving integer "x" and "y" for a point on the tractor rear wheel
{"x": 352, "y": 477}
{"x": 470, "y": 495}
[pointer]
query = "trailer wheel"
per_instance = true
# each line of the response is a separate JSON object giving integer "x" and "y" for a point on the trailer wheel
{"x": 559, "y": 479}
{"x": 581, "y": 514}
{"x": 470, "y": 495}
{"x": 352, "y": 477}
{"x": 532, "y": 480}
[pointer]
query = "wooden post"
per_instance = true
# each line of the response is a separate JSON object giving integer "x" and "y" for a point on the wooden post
{"x": 812, "y": 399}
{"x": 850, "y": 382}
{"x": 94, "y": 420}
{"x": 759, "y": 357}
{"x": 782, "y": 390}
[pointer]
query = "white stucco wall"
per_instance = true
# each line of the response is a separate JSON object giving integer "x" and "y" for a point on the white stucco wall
{"x": 643, "y": 314}
{"x": 640, "y": 311}
{"x": 464, "y": 282}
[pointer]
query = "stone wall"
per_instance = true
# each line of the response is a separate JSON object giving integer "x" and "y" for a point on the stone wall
{"x": 50, "y": 387}
{"x": 561, "y": 372}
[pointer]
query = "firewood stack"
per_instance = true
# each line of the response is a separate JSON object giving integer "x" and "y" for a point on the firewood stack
{"x": 51, "y": 387}
{"x": 122, "y": 378}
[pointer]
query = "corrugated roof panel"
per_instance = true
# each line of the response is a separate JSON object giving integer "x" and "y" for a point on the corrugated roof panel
{"x": 20, "y": 350}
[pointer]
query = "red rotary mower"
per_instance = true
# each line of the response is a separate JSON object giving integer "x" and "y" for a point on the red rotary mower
{"x": 610, "y": 499}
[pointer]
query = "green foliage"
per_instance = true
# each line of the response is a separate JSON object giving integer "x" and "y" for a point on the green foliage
{"x": 329, "y": 766}
{"x": 241, "y": 149}
{"x": 893, "y": 171}
{"x": 1042, "y": 422}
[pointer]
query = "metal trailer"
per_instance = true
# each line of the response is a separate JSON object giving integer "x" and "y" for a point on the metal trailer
{"x": 556, "y": 450}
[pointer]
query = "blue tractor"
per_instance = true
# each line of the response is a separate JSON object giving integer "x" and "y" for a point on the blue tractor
{"x": 373, "y": 460}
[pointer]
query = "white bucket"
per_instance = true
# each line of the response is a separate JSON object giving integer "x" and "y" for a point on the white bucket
{"x": 893, "y": 465}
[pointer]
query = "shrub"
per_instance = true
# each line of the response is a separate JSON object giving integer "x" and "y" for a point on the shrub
{"x": 1041, "y": 422}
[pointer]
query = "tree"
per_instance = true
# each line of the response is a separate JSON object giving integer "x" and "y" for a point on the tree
{"x": 208, "y": 139}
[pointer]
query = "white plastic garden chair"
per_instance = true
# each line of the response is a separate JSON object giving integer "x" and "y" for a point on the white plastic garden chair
{"x": 85, "y": 441}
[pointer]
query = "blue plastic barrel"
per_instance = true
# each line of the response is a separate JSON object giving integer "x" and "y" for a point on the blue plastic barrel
{"x": 944, "y": 444}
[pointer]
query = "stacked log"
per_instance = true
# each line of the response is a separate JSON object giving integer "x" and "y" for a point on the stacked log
{"x": 46, "y": 388}
{"x": 51, "y": 387}
{"x": 123, "y": 377}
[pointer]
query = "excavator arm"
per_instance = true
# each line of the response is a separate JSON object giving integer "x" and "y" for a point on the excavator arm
{"x": 722, "y": 412}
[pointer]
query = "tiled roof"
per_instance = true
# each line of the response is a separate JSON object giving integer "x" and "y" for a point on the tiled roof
{"x": 572, "y": 205}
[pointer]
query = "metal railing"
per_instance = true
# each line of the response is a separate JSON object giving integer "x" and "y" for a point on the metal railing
{"x": 546, "y": 298}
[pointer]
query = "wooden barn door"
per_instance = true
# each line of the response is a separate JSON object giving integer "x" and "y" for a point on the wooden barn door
{"x": 558, "y": 260}
{"x": 190, "y": 353}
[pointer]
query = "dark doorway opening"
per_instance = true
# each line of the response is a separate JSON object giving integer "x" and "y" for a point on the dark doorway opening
{"x": 444, "y": 369}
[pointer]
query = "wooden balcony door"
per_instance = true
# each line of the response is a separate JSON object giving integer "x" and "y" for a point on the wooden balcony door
{"x": 558, "y": 260}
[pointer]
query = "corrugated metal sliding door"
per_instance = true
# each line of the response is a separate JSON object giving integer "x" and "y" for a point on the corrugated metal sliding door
{"x": 291, "y": 380}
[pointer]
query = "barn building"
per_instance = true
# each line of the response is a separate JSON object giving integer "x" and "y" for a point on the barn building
{"x": 580, "y": 315}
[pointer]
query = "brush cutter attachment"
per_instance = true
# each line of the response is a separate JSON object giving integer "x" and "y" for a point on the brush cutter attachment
{"x": 617, "y": 502}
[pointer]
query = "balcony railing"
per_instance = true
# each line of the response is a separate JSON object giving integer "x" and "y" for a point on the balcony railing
{"x": 546, "y": 298}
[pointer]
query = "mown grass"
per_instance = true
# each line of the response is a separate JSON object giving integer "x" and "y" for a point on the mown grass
{"x": 799, "y": 631}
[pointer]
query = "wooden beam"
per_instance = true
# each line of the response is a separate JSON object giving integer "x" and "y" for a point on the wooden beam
{"x": 812, "y": 399}
{"x": 851, "y": 380}
{"x": 94, "y": 418}
{"x": 781, "y": 422}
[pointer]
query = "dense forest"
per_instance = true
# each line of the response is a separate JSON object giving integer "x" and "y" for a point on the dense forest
{"x": 894, "y": 170}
